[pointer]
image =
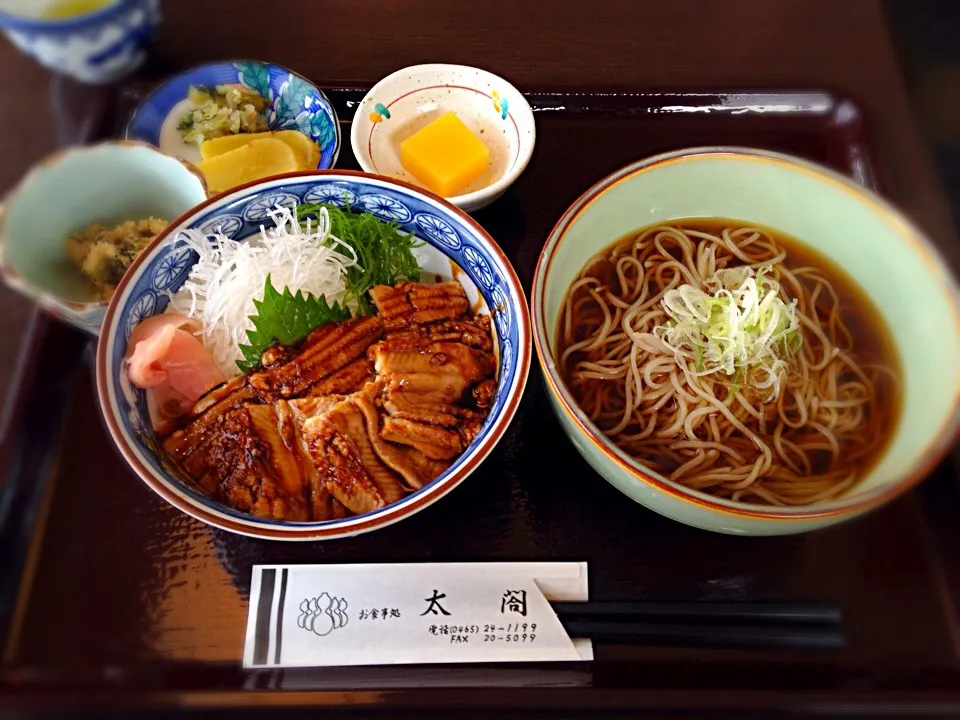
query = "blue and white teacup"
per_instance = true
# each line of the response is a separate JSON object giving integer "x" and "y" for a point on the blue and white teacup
{"x": 95, "y": 47}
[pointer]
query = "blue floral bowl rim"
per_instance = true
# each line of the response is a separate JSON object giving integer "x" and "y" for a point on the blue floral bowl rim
{"x": 20, "y": 22}
{"x": 273, "y": 530}
{"x": 173, "y": 78}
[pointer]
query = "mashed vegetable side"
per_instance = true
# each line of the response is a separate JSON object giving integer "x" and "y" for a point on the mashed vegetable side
{"x": 222, "y": 110}
{"x": 103, "y": 254}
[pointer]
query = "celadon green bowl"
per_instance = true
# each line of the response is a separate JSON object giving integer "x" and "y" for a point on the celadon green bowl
{"x": 108, "y": 183}
{"x": 890, "y": 258}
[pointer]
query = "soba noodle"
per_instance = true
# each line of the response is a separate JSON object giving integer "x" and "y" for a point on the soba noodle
{"x": 716, "y": 432}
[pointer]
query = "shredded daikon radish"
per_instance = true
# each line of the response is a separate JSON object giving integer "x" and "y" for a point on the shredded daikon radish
{"x": 740, "y": 326}
{"x": 230, "y": 275}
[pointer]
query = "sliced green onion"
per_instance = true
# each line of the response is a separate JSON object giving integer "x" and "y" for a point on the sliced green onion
{"x": 737, "y": 325}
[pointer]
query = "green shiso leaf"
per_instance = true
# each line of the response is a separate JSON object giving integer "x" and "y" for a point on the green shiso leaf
{"x": 285, "y": 319}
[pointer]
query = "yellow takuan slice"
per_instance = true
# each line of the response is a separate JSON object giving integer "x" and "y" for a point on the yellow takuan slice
{"x": 218, "y": 146}
{"x": 304, "y": 149}
{"x": 253, "y": 161}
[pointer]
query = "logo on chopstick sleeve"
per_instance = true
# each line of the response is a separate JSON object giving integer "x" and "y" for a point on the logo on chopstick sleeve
{"x": 323, "y": 614}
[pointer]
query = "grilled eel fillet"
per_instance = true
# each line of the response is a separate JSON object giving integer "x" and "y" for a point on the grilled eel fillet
{"x": 432, "y": 355}
{"x": 326, "y": 350}
{"x": 231, "y": 442}
{"x": 411, "y": 303}
{"x": 311, "y": 436}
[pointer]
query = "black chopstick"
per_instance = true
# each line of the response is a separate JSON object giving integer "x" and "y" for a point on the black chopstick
{"x": 784, "y": 637}
{"x": 709, "y": 612}
{"x": 785, "y": 626}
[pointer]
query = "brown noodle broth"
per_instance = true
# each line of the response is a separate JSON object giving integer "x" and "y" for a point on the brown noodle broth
{"x": 839, "y": 399}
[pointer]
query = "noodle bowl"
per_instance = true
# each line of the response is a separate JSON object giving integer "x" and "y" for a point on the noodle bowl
{"x": 800, "y": 420}
{"x": 803, "y": 335}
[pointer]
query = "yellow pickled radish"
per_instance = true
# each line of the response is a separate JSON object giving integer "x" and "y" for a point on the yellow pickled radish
{"x": 218, "y": 146}
{"x": 254, "y": 161}
{"x": 304, "y": 149}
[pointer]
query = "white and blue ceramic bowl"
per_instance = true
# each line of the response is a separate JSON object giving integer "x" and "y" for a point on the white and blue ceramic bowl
{"x": 110, "y": 182}
{"x": 96, "y": 47}
{"x": 297, "y": 104}
{"x": 409, "y": 99}
{"x": 451, "y": 237}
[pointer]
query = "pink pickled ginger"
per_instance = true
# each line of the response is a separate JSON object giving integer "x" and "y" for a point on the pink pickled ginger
{"x": 165, "y": 358}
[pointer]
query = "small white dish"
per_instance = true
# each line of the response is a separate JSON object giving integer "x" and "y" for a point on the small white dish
{"x": 409, "y": 99}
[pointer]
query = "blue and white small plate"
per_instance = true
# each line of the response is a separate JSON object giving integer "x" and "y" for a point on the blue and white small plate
{"x": 297, "y": 104}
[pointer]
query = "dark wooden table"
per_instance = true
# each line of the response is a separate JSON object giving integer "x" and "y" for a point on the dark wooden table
{"x": 570, "y": 45}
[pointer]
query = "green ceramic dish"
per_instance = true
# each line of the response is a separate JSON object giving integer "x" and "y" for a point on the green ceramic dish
{"x": 889, "y": 257}
{"x": 107, "y": 183}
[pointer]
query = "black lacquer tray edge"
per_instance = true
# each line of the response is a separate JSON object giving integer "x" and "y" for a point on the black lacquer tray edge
{"x": 29, "y": 448}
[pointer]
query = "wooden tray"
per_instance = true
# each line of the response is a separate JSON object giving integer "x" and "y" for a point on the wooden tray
{"x": 111, "y": 597}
